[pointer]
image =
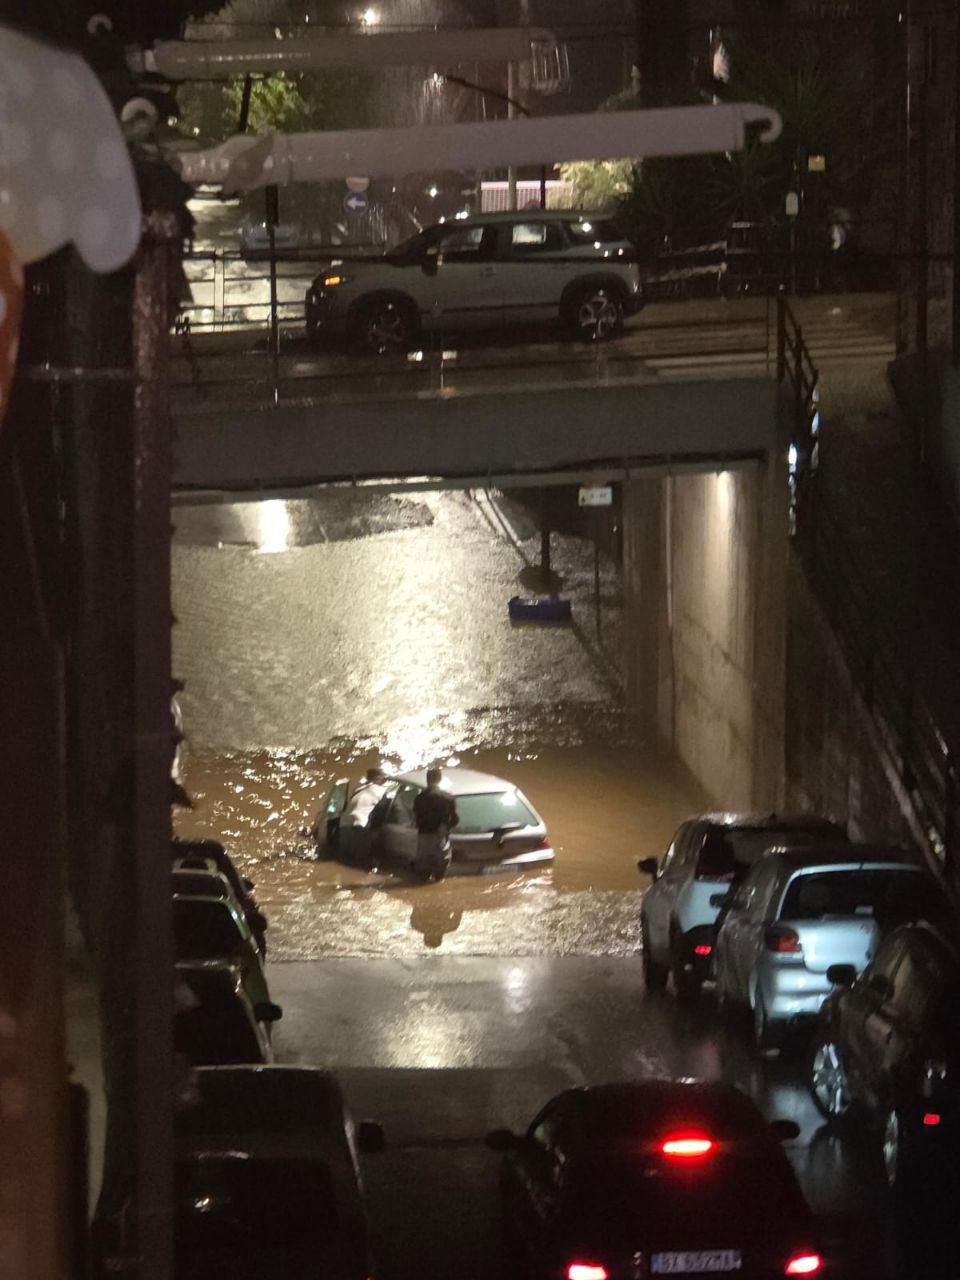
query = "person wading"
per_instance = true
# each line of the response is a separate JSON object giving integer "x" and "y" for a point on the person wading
{"x": 435, "y": 813}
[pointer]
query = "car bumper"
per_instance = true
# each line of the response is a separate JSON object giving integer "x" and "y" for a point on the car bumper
{"x": 701, "y": 961}
{"x": 462, "y": 866}
{"x": 793, "y": 994}
{"x": 324, "y": 314}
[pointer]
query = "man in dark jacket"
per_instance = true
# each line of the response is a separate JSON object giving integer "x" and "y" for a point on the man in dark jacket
{"x": 435, "y": 812}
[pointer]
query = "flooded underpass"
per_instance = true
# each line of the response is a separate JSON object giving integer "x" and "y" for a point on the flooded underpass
{"x": 317, "y": 637}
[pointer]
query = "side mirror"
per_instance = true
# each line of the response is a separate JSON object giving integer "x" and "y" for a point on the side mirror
{"x": 649, "y": 866}
{"x": 267, "y": 1012}
{"x": 370, "y": 1137}
{"x": 248, "y": 884}
{"x": 784, "y": 1130}
{"x": 841, "y": 975}
{"x": 721, "y": 899}
{"x": 501, "y": 1140}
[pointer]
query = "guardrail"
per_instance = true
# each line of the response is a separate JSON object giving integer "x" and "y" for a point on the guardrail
{"x": 892, "y": 688}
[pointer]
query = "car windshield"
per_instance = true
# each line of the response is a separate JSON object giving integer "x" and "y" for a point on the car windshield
{"x": 480, "y": 813}
{"x": 893, "y": 896}
{"x": 249, "y": 1217}
{"x": 204, "y": 930}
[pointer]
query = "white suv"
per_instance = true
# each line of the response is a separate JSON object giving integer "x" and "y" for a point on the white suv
{"x": 486, "y": 271}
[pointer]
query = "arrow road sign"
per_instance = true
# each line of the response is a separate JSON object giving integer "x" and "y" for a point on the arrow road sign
{"x": 356, "y": 202}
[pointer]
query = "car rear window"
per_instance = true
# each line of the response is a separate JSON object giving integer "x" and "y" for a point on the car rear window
{"x": 893, "y": 896}
{"x": 480, "y": 813}
{"x": 601, "y": 231}
{"x": 729, "y": 853}
{"x": 204, "y": 930}
{"x": 239, "y": 1210}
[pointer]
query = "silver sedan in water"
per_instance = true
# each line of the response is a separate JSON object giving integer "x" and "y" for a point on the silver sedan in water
{"x": 798, "y": 912}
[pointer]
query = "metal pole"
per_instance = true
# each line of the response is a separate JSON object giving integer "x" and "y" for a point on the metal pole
{"x": 596, "y": 568}
{"x": 956, "y": 196}
{"x": 544, "y": 539}
{"x": 273, "y": 218}
{"x": 511, "y": 115}
{"x": 153, "y": 305}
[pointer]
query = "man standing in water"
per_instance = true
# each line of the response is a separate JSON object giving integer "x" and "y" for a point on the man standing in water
{"x": 435, "y": 812}
{"x": 355, "y": 833}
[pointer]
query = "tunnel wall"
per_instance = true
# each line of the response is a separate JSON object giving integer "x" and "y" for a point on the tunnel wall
{"x": 705, "y": 578}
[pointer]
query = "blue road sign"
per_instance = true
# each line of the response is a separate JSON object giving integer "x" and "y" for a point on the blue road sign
{"x": 356, "y": 202}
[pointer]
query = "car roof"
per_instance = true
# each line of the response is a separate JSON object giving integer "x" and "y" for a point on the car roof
{"x": 535, "y": 215}
{"x": 196, "y": 880}
{"x": 840, "y": 855}
{"x": 649, "y": 1107}
{"x": 771, "y": 820}
{"x": 303, "y": 1106}
{"x": 461, "y": 782}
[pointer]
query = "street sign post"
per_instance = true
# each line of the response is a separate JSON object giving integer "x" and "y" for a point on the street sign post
{"x": 595, "y": 495}
{"x": 356, "y": 202}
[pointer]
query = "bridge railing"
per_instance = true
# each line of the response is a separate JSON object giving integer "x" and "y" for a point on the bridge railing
{"x": 894, "y": 690}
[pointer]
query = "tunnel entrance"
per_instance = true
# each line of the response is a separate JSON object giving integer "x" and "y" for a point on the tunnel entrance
{"x": 319, "y": 635}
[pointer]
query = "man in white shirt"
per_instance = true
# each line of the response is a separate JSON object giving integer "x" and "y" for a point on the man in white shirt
{"x": 354, "y": 830}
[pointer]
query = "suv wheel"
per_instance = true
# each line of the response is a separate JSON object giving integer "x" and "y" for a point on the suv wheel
{"x": 594, "y": 313}
{"x": 654, "y": 974}
{"x": 385, "y": 325}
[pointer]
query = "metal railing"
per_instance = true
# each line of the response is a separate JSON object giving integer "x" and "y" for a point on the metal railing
{"x": 894, "y": 690}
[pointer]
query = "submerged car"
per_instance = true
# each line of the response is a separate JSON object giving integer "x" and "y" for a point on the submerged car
{"x": 798, "y": 912}
{"x": 267, "y": 1181}
{"x": 499, "y": 829}
{"x": 485, "y": 271}
{"x": 888, "y": 1045}
{"x": 657, "y": 1177}
{"x": 710, "y": 853}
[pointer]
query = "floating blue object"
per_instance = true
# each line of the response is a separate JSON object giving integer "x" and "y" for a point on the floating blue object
{"x": 546, "y": 609}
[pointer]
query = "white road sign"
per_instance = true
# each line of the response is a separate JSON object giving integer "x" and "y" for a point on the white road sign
{"x": 596, "y": 495}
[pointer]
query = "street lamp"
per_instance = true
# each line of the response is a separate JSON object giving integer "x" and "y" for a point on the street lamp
{"x": 369, "y": 18}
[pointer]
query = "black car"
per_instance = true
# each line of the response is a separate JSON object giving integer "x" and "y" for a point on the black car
{"x": 267, "y": 1179}
{"x": 888, "y": 1044}
{"x": 211, "y": 856}
{"x": 658, "y": 1177}
{"x": 215, "y": 1022}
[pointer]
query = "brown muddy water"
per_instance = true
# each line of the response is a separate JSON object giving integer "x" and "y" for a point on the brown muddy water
{"x": 318, "y": 637}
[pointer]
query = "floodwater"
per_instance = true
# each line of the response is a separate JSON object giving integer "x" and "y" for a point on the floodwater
{"x": 319, "y": 636}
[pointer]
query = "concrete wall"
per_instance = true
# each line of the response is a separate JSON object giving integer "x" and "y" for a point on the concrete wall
{"x": 705, "y": 574}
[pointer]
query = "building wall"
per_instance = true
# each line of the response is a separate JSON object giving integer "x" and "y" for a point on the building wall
{"x": 705, "y": 571}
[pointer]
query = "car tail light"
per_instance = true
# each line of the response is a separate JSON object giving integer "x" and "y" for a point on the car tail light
{"x": 931, "y": 1118}
{"x": 687, "y": 1146}
{"x": 702, "y": 950}
{"x": 544, "y": 844}
{"x": 586, "y": 1271}
{"x": 803, "y": 1264}
{"x": 783, "y": 941}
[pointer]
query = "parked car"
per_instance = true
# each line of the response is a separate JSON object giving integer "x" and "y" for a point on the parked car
{"x": 888, "y": 1044}
{"x": 215, "y": 1022}
{"x": 798, "y": 912}
{"x": 653, "y": 1178}
{"x": 489, "y": 270}
{"x": 267, "y": 1181}
{"x": 254, "y": 237}
{"x": 499, "y": 829}
{"x": 210, "y": 928}
{"x": 677, "y": 918}
{"x": 211, "y": 856}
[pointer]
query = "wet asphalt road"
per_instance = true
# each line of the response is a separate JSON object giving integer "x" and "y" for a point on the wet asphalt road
{"x": 443, "y": 1049}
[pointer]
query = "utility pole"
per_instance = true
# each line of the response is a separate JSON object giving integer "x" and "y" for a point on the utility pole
{"x": 956, "y": 195}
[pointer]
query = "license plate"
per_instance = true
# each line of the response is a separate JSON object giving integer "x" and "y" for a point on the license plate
{"x": 695, "y": 1261}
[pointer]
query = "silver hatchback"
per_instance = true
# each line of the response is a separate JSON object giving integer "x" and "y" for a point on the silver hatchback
{"x": 798, "y": 912}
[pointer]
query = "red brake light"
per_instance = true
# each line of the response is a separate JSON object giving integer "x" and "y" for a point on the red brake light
{"x": 804, "y": 1264}
{"x": 702, "y": 950}
{"x": 586, "y": 1271}
{"x": 931, "y": 1118}
{"x": 544, "y": 843}
{"x": 785, "y": 942}
{"x": 687, "y": 1147}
